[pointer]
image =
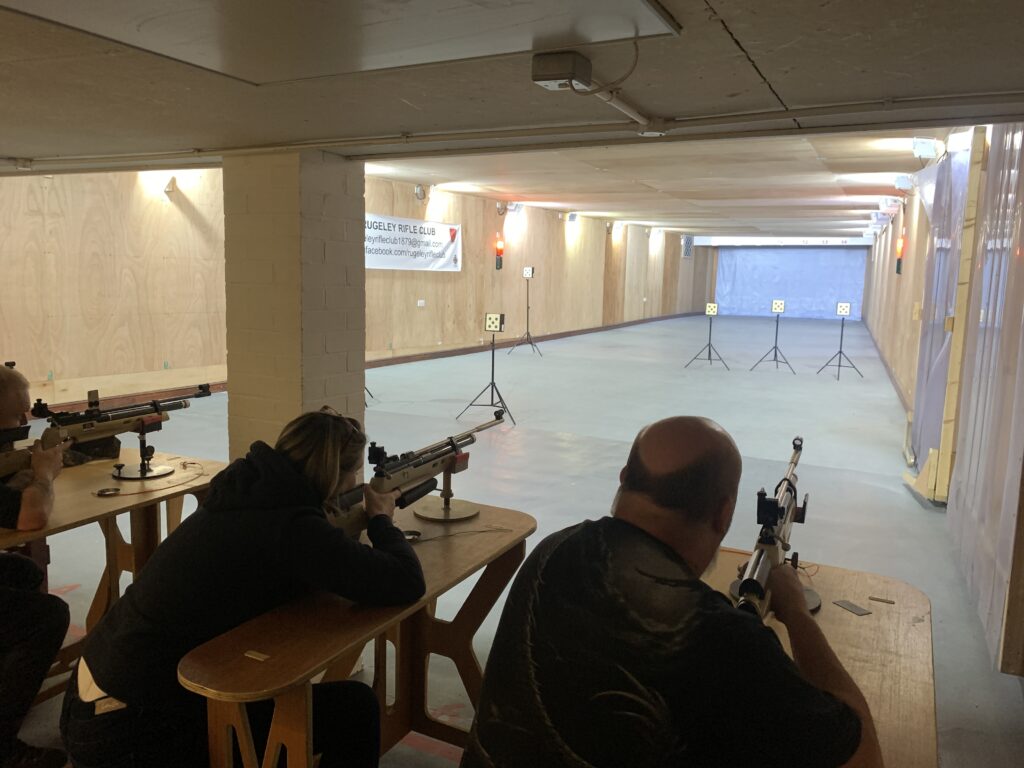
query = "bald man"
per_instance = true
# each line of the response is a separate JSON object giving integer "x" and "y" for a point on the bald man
{"x": 612, "y": 653}
{"x": 32, "y": 624}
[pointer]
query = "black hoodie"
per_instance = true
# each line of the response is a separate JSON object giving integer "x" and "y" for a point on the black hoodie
{"x": 259, "y": 540}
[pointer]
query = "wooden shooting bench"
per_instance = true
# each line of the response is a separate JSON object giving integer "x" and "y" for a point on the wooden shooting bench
{"x": 77, "y": 503}
{"x": 888, "y": 653}
{"x": 278, "y": 654}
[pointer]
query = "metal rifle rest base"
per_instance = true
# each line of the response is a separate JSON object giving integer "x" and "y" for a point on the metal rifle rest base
{"x": 431, "y": 508}
{"x": 812, "y": 597}
{"x": 137, "y": 473}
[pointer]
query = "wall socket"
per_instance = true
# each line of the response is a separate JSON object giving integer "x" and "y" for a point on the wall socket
{"x": 421, "y": 303}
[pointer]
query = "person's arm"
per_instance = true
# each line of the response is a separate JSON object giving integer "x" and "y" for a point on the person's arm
{"x": 818, "y": 663}
{"x": 388, "y": 573}
{"x": 37, "y": 496}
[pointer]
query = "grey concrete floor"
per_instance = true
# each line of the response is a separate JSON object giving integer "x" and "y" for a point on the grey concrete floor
{"x": 578, "y": 408}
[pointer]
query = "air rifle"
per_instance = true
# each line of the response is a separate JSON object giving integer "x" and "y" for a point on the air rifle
{"x": 776, "y": 516}
{"x": 81, "y": 428}
{"x": 414, "y": 474}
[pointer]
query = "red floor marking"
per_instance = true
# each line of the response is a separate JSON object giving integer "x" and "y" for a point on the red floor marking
{"x": 64, "y": 590}
{"x": 433, "y": 747}
{"x": 451, "y": 711}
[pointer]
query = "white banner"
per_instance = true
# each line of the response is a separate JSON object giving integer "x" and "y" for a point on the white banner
{"x": 393, "y": 243}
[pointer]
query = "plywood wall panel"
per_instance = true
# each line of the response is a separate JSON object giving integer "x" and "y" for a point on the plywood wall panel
{"x": 635, "y": 285}
{"x": 567, "y": 294}
{"x": 892, "y": 302}
{"x": 614, "y": 275}
{"x": 678, "y": 275}
{"x": 106, "y": 277}
{"x": 652, "y": 299}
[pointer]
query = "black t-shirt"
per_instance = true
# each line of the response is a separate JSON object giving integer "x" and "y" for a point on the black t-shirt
{"x": 10, "y": 504}
{"x": 611, "y": 653}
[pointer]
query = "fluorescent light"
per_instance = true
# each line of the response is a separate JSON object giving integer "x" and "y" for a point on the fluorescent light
{"x": 893, "y": 145}
{"x": 376, "y": 169}
{"x": 460, "y": 186}
{"x": 887, "y": 178}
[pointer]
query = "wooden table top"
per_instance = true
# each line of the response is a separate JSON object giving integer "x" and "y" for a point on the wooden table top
{"x": 888, "y": 653}
{"x": 303, "y": 638}
{"x": 76, "y": 502}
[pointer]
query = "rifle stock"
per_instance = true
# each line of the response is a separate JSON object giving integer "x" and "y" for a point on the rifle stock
{"x": 93, "y": 424}
{"x": 414, "y": 474}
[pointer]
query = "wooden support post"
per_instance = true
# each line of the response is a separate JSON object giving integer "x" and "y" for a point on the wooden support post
{"x": 228, "y": 720}
{"x": 145, "y": 527}
{"x": 960, "y": 319}
{"x": 291, "y": 728}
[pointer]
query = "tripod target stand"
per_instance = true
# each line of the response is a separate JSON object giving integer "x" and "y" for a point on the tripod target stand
{"x": 527, "y": 338}
{"x": 495, "y": 398}
{"x": 711, "y": 311}
{"x": 840, "y": 355}
{"x": 775, "y": 352}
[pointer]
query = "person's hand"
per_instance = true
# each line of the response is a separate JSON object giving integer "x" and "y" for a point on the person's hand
{"x": 47, "y": 462}
{"x": 379, "y": 503}
{"x": 787, "y": 593}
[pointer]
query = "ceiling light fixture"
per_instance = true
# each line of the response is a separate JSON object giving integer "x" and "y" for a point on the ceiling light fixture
{"x": 928, "y": 149}
{"x": 571, "y": 70}
{"x": 904, "y": 182}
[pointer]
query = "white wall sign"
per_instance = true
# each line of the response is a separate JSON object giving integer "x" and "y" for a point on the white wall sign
{"x": 393, "y": 243}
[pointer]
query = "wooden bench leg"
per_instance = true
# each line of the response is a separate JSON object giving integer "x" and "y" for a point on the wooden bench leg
{"x": 228, "y": 720}
{"x": 291, "y": 728}
{"x": 175, "y": 508}
{"x": 422, "y": 635}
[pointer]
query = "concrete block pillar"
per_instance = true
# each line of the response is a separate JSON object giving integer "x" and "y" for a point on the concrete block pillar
{"x": 296, "y": 299}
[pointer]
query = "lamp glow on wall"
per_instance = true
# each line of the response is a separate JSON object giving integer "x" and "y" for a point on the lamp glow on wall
{"x": 514, "y": 225}
{"x": 163, "y": 185}
{"x": 901, "y": 242}
{"x": 573, "y": 232}
{"x": 618, "y": 228}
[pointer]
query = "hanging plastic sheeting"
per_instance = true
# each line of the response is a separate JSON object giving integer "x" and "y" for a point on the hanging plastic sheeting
{"x": 942, "y": 264}
{"x": 985, "y": 485}
{"x": 810, "y": 280}
{"x": 925, "y": 181}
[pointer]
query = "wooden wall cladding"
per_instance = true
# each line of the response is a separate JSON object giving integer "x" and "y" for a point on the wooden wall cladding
{"x": 635, "y": 284}
{"x": 566, "y": 295}
{"x": 705, "y": 272}
{"x": 110, "y": 282}
{"x": 614, "y": 274}
{"x": 892, "y": 303}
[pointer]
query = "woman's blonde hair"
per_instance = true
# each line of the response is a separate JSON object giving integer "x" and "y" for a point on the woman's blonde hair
{"x": 324, "y": 446}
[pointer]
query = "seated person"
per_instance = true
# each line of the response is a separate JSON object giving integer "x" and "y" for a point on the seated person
{"x": 612, "y": 652}
{"x": 259, "y": 540}
{"x": 32, "y": 624}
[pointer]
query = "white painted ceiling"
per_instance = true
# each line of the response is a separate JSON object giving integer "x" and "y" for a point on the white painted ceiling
{"x": 787, "y": 186}
{"x": 134, "y": 83}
